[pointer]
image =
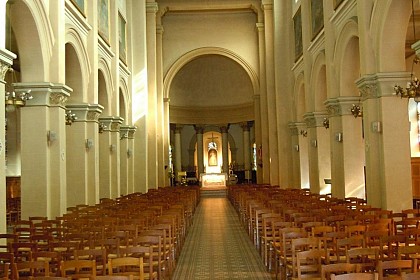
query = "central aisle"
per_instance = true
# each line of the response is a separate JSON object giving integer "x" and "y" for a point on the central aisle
{"x": 217, "y": 246}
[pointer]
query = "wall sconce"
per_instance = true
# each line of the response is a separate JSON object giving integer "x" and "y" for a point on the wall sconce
{"x": 70, "y": 117}
{"x": 102, "y": 127}
{"x": 129, "y": 152}
{"x": 376, "y": 126}
{"x": 326, "y": 123}
{"x": 304, "y": 133}
{"x": 89, "y": 144}
{"x": 339, "y": 137}
{"x": 297, "y": 148}
{"x": 124, "y": 136}
{"x": 356, "y": 111}
{"x": 112, "y": 147}
{"x": 51, "y": 136}
{"x": 13, "y": 99}
{"x": 314, "y": 143}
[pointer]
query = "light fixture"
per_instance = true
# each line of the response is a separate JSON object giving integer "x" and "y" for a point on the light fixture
{"x": 304, "y": 133}
{"x": 356, "y": 111}
{"x": 124, "y": 136}
{"x": 70, "y": 117}
{"x": 326, "y": 123}
{"x": 412, "y": 89}
{"x": 13, "y": 99}
{"x": 102, "y": 127}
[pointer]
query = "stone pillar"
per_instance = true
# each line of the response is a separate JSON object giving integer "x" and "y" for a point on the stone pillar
{"x": 225, "y": 148}
{"x": 124, "y": 158}
{"x": 200, "y": 156}
{"x": 162, "y": 152}
{"x": 43, "y": 141}
{"x": 6, "y": 60}
{"x": 166, "y": 140}
{"x": 303, "y": 154}
{"x": 295, "y": 151}
{"x": 264, "y": 163}
{"x": 346, "y": 140}
{"x": 82, "y": 150}
{"x": 152, "y": 117}
{"x": 267, "y": 6}
{"x": 387, "y": 143}
{"x": 247, "y": 150}
{"x": 319, "y": 152}
{"x": 109, "y": 157}
{"x": 178, "y": 150}
{"x": 130, "y": 155}
{"x": 258, "y": 136}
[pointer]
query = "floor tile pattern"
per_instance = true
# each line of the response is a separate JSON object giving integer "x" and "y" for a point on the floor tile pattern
{"x": 217, "y": 246}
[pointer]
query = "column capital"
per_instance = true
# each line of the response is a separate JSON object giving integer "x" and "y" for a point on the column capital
{"x": 245, "y": 126}
{"x": 110, "y": 123}
{"x": 131, "y": 131}
{"x": 259, "y": 26}
{"x": 342, "y": 105}
{"x": 224, "y": 128}
{"x": 381, "y": 84}
{"x": 199, "y": 129}
{"x": 85, "y": 112}
{"x": 152, "y": 7}
{"x": 45, "y": 94}
{"x": 6, "y": 60}
{"x": 296, "y": 127}
{"x": 124, "y": 131}
{"x": 315, "y": 119}
{"x": 267, "y": 5}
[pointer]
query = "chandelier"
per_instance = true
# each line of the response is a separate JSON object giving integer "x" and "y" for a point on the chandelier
{"x": 412, "y": 89}
{"x": 326, "y": 123}
{"x": 12, "y": 99}
{"x": 70, "y": 117}
{"x": 356, "y": 111}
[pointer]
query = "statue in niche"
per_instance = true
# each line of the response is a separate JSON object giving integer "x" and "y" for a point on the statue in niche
{"x": 212, "y": 157}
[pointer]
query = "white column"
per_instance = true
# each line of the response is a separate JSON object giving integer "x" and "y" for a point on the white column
{"x": 267, "y": 6}
{"x": 6, "y": 59}
{"x": 82, "y": 152}
{"x": 130, "y": 155}
{"x": 166, "y": 140}
{"x": 200, "y": 156}
{"x": 152, "y": 125}
{"x": 43, "y": 140}
{"x": 124, "y": 158}
{"x": 225, "y": 148}
{"x": 247, "y": 150}
{"x": 178, "y": 150}
{"x": 160, "y": 107}
{"x": 264, "y": 162}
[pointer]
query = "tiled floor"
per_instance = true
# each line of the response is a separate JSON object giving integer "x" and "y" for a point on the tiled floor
{"x": 217, "y": 246}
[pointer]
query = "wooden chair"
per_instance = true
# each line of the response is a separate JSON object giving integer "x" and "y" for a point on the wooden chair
{"x": 99, "y": 255}
{"x": 4, "y": 271}
{"x": 6, "y": 240}
{"x": 395, "y": 268}
{"x": 411, "y": 276}
{"x": 114, "y": 277}
{"x": 299, "y": 245}
{"x": 334, "y": 268}
{"x": 27, "y": 269}
{"x": 309, "y": 263}
{"x": 142, "y": 252}
{"x": 126, "y": 266}
{"x": 366, "y": 258}
{"x": 159, "y": 259}
{"x": 76, "y": 269}
{"x": 53, "y": 259}
{"x": 355, "y": 276}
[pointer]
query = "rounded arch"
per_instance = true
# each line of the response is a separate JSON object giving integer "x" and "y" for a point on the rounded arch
{"x": 318, "y": 83}
{"x": 189, "y": 56}
{"x": 348, "y": 33}
{"x": 390, "y": 19}
{"x": 34, "y": 37}
{"x": 299, "y": 97}
{"x": 105, "y": 87}
{"x": 74, "y": 78}
{"x": 75, "y": 41}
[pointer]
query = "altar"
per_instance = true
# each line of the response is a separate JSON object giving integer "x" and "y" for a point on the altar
{"x": 213, "y": 179}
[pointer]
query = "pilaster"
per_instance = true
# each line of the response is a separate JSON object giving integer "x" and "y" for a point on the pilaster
{"x": 200, "y": 158}
{"x": 6, "y": 60}
{"x": 387, "y": 142}
{"x": 294, "y": 150}
{"x": 43, "y": 140}
{"x": 225, "y": 147}
{"x": 82, "y": 150}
